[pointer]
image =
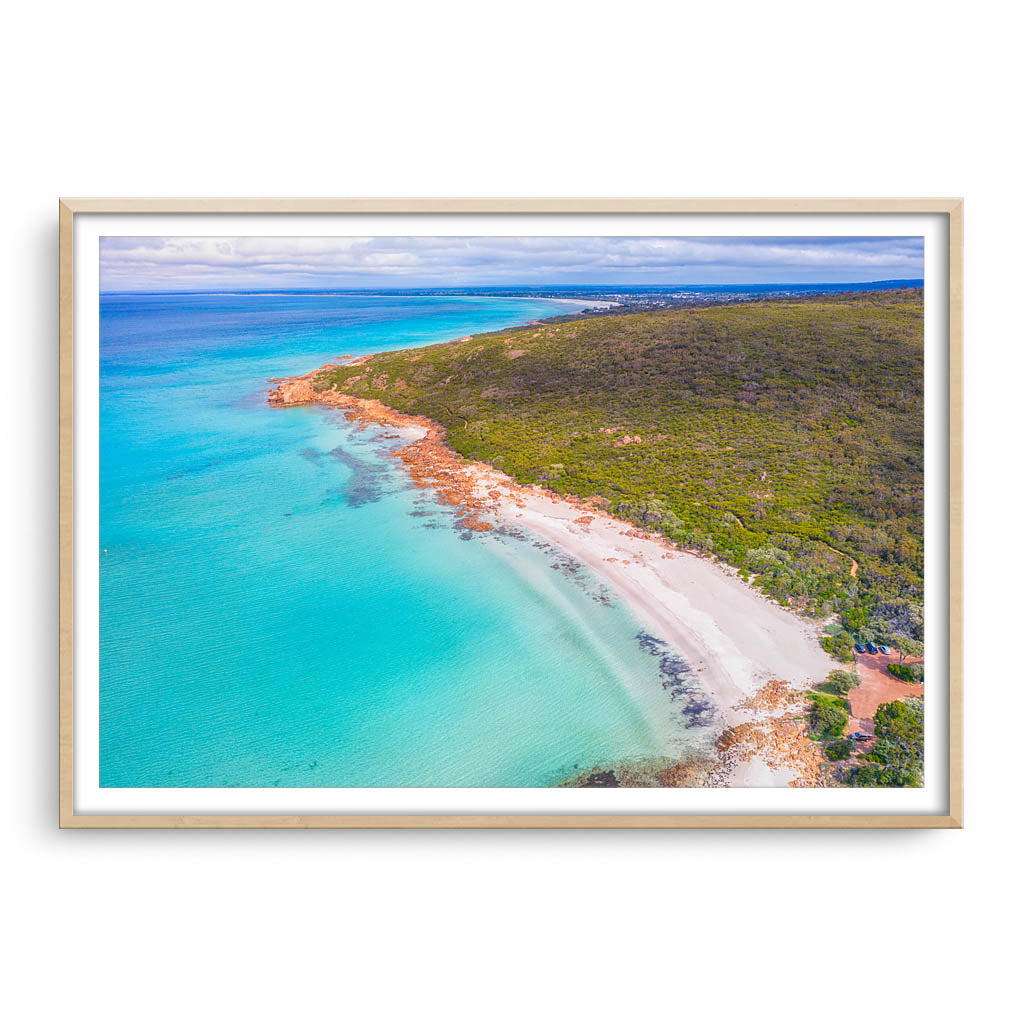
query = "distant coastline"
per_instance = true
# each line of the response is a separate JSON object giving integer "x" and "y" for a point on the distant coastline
{"x": 574, "y": 292}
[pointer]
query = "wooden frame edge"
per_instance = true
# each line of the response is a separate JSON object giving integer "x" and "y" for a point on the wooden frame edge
{"x": 66, "y": 516}
{"x": 511, "y": 821}
{"x": 370, "y": 204}
{"x": 69, "y": 207}
{"x": 956, "y": 501}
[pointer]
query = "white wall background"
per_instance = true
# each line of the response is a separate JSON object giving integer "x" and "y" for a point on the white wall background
{"x": 523, "y": 99}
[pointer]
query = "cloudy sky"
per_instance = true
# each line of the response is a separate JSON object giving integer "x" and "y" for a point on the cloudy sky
{"x": 166, "y": 264}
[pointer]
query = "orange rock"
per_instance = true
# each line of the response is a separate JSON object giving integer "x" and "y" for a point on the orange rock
{"x": 292, "y": 392}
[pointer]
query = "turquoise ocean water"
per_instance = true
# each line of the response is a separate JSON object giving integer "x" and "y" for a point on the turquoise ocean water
{"x": 279, "y": 607}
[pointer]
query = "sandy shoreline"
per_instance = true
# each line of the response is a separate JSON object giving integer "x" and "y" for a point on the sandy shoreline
{"x": 736, "y": 638}
{"x": 731, "y": 635}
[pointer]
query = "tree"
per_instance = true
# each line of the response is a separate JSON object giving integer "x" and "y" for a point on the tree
{"x": 839, "y": 750}
{"x": 902, "y": 724}
{"x": 844, "y": 682}
{"x": 827, "y": 716}
{"x": 907, "y": 647}
{"x": 900, "y": 616}
{"x": 839, "y": 646}
{"x": 905, "y": 673}
{"x": 899, "y": 750}
{"x": 855, "y": 619}
{"x": 839, "y": 682}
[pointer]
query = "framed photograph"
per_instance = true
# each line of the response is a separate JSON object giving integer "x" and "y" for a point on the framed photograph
{"x": 510, "y": 513}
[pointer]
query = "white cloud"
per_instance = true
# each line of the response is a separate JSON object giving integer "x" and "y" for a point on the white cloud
{"x": 353, "y": 262}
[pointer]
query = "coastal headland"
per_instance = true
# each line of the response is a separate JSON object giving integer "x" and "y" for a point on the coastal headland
{"x": 752, "y": 656}
{"x": 748, "y": 477}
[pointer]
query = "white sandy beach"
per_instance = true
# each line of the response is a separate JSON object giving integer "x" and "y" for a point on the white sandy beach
{"x": 735, "y": 637}
{"x": 723, "y": 627}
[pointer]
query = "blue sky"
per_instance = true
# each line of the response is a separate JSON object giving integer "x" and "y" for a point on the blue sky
{"x": 153, "y": 263}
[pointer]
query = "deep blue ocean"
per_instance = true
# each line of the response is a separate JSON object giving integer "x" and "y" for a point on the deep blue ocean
{"x": 279, "y": 607}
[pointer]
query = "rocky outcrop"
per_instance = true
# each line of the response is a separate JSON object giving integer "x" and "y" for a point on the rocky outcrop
{"x": 777, "y": 735}
{"x": 429, "y": 461}
{"x": 299, "y": 390}
{"x": 296, "y": 391}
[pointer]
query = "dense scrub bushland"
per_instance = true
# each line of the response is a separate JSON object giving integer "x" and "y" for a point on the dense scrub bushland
{"x": 784, "y": 436}
{"x": 897, "y": 758}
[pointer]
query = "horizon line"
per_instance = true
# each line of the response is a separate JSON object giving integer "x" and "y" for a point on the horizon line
{"x": 384, "y": 290}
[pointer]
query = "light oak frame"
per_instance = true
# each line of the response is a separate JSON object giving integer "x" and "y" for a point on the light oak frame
{"x": 952, "y": 208}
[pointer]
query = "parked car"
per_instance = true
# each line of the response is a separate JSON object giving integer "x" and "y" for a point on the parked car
{"x": 872, "y": 649}
{"x": 883, "y": 648}
{"x": 860, "y": 737}
{"x": 859, "y": 648}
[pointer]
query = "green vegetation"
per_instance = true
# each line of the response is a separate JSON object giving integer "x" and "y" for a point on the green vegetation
{"x": 896, "y": 622}
{"x": 839, "y": 750}
{"x": 839, "y": 683}
{"x": 784, "y": 436}
{"x": 905, "y": 646}
{"x": 839, "y": 646}
{"x": 907, "y": 673}
{"x": 828, "y": 715}
{"x": 897, "y": 758}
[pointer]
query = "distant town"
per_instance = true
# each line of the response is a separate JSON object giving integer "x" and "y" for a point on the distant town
{"x": 632, "y": 299}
